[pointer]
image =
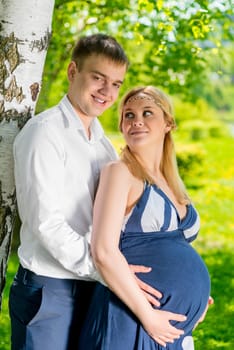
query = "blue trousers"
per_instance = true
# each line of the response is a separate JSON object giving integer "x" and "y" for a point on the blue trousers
{"x": 47, "y": 313}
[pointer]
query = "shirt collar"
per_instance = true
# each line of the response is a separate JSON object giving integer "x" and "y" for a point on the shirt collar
{"x": 97, "y": 131}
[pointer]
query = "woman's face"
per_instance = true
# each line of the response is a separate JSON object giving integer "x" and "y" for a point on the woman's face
{"x": 143, "y": 122}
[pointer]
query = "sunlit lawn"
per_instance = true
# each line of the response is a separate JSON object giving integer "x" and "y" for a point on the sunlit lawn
{"x": 215, "y": 202}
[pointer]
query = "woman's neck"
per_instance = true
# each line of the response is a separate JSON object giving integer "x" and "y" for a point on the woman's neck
{"x": 151, "y": 162}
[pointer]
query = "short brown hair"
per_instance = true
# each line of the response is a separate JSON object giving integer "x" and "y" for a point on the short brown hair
{"x": 98, "y": 44}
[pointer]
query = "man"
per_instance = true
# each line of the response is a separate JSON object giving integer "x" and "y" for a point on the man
{"x": 58, "y": 156}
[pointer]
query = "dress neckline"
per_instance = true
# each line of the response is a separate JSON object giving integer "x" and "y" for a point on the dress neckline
{"x": 165, "y": 196}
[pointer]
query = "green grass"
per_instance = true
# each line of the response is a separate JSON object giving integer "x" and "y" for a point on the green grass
{"x": 215, "y": 201}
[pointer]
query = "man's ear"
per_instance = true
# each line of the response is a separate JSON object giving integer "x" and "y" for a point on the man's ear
{"x": 71, "y": 70}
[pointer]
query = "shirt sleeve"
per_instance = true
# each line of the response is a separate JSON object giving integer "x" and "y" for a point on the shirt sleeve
{"x": 39, "y": 173}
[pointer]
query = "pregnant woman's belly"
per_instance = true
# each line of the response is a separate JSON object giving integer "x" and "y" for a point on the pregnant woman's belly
{"x": 177, "y": 271}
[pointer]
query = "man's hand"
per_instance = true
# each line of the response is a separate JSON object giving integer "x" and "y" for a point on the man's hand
{"x": 150, "y": 293}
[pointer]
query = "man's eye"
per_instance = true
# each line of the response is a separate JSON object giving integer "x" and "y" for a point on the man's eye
{"x": 129, "y": 115}
{"x": 116, "y": 85}
{"x": 97, "y": 77}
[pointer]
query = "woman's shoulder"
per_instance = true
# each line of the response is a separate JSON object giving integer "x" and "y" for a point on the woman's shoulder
{"x": 116, "y": 166}
{"x": 117, "y": 170}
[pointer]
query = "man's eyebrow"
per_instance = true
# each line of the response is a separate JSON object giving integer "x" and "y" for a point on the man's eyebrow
{"x": 97, "y": 72}
{"x": 105, "y": 76}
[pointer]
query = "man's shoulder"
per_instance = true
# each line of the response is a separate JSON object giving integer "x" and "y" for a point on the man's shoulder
{"x": 49, "y": 116}
{"x": 40, "y": 126}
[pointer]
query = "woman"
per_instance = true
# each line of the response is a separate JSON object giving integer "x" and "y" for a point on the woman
{"x": 143, "y": 215}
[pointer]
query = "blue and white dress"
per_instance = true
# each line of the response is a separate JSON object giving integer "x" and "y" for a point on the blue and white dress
{"x": 152, "y": 235}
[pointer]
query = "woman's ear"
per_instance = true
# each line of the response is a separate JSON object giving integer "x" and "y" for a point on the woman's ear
{"x": 71, "y": 71}
{"x": 167, "y": 128}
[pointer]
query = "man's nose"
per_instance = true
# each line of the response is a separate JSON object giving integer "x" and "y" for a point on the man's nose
{"x": 106, "y": 88}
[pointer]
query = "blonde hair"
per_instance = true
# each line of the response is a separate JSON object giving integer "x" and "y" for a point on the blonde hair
{"x": 168, "y": 165}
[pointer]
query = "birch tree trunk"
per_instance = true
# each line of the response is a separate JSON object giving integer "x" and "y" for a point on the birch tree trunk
{"x": 25, "y": 30}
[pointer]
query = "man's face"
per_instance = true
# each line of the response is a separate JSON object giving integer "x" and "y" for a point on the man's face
{"x": 95, "y": 87}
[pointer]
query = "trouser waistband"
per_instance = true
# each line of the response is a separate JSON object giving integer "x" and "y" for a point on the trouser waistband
{"x": 26, "y": 276}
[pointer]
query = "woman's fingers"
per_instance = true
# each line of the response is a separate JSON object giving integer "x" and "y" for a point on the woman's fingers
{"x": 210, "y": 300}
{"x": 163, "y": 340}
{"x": 176, "y": 317}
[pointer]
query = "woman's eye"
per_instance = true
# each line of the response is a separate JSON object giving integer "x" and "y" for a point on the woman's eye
{"x": 147, "y": 113}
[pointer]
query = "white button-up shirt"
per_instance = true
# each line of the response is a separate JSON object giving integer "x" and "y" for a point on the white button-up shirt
{"x": 56, "y": 174}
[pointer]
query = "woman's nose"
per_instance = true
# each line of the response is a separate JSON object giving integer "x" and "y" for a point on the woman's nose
{"x": 138, "y": 123}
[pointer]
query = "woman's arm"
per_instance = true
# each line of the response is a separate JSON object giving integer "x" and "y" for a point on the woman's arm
{"x": 109, "y": 210}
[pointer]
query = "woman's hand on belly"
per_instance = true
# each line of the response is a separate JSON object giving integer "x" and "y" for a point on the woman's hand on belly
{"x": 158, "y": 326}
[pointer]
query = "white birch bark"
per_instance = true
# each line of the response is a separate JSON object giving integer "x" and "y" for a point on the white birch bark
{"x": 25, "y": 29}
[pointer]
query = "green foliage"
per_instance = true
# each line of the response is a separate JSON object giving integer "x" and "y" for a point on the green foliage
{"x": 198, "y": 129}
{"x": 198, "y": 120}
{"x": 169, "y": 43}
{"x": 190, "y": 159}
